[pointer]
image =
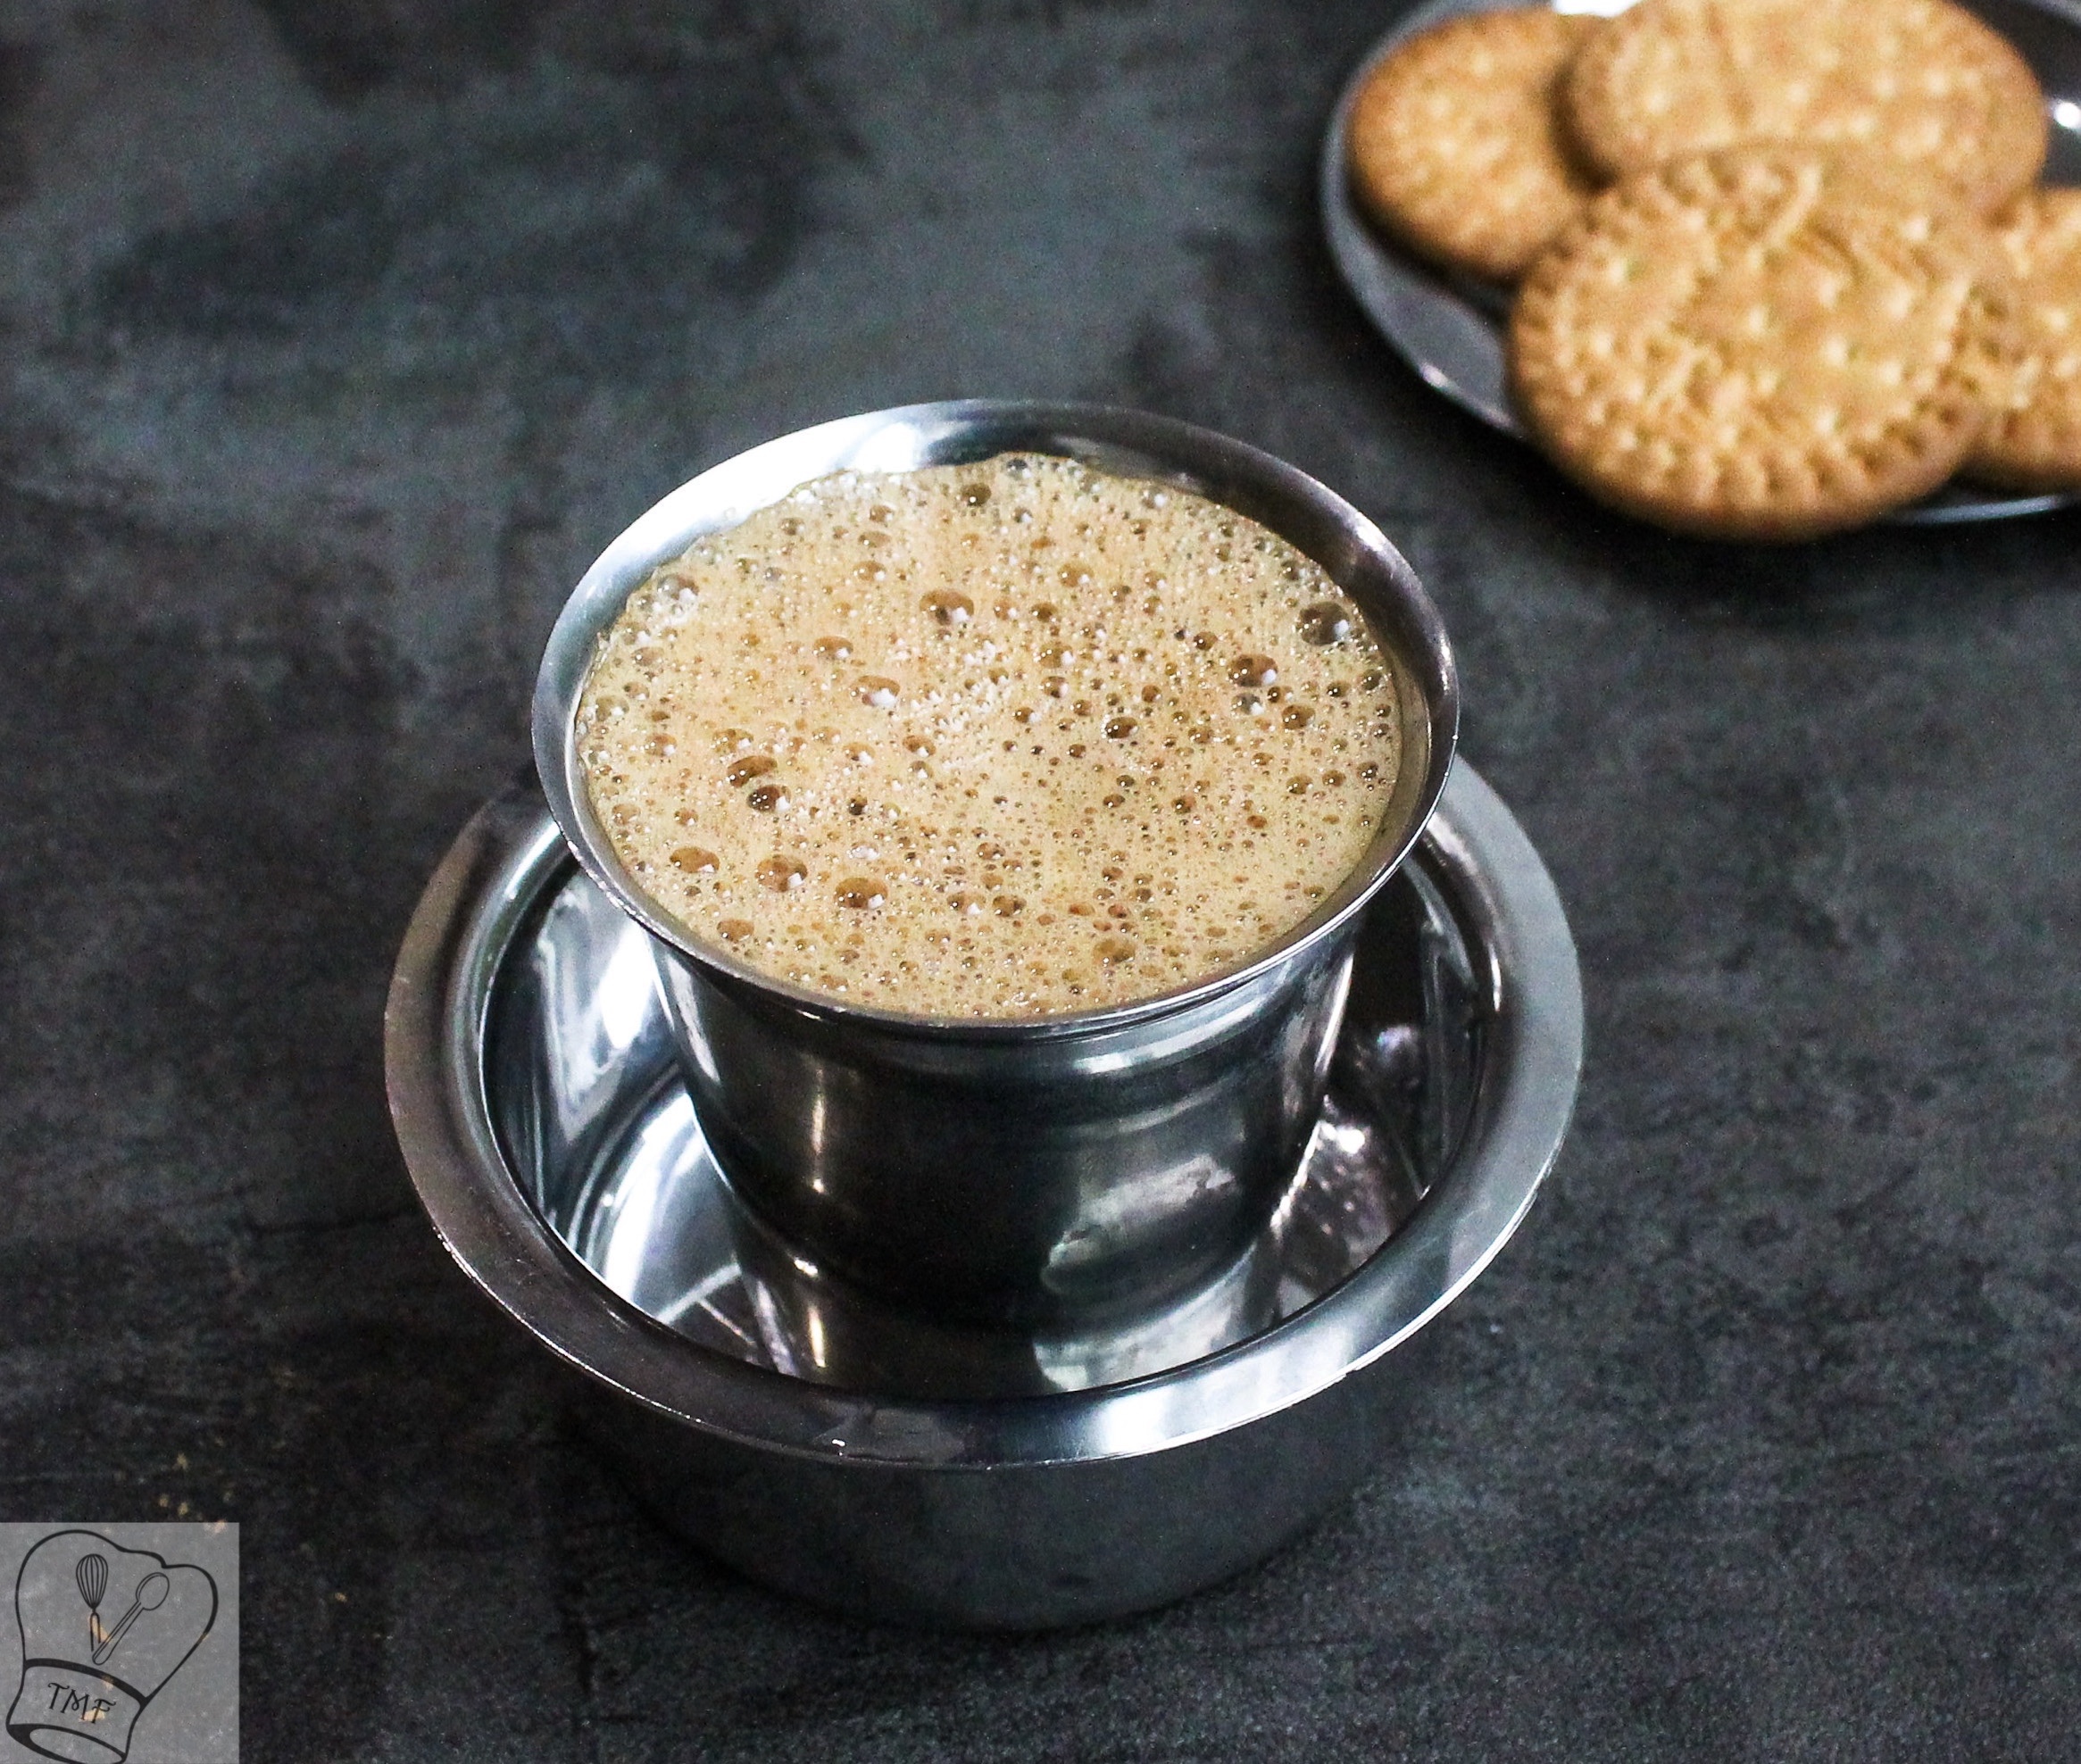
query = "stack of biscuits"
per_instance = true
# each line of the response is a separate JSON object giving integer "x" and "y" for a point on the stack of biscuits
{"x": 1781, "y": 265}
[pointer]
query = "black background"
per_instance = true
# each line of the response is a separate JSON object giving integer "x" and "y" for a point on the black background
{"x": 338, "y": 337}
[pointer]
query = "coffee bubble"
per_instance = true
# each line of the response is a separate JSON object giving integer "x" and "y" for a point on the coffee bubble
{"x": 1325, "y": 623}
{"x": 1029, "y": 738}
{"x": 1253, "y": 671}
{"x": 950, "y": 607}
{"x": 743, "y": 771}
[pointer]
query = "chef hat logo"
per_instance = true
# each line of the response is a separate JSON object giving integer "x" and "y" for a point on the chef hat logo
{"x": 103, "y": 1629}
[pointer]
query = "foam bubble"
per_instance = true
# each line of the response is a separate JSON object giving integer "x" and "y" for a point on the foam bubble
{"x": 993, "y": 740}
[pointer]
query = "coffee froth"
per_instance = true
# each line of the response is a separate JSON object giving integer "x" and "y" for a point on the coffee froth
{"x": 996, "y": 740}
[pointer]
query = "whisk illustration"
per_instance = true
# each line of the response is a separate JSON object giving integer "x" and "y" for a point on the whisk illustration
{"x": 92, "y": 1574}
{"x": 152, "y": 1592}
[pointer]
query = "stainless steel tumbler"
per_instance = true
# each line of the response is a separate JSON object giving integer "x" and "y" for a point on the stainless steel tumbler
{"x": 1030, "y": 1172}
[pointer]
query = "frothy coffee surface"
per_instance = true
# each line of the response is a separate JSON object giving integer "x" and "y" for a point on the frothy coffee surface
{"x": 994, "y": 740}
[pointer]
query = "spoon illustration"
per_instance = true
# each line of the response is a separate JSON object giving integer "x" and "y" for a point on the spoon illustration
{"x": 92, "y": 1574}
{"x": 152, "y": 1592}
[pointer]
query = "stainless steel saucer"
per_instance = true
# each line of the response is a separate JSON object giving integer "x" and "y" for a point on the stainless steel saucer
{"x": 956, "y": 1475}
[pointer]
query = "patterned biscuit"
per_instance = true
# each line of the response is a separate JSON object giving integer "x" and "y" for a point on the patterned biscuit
{"x": 2035, "y": 441}
{"x": 1760, "y": 343}
{"x": 1454, "y": 148}
{"x": 1921, "y": 81}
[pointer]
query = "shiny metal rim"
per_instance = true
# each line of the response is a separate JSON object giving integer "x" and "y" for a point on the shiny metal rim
{"x": 1449, "y": 329}
{"x": 434, "y": 1034}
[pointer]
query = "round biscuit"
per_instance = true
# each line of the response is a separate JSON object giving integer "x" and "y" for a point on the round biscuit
{"x": 2033, "y": 442}
{"x": 1922, "y": 83}
{"x": 1762, "y": 343}
{"x": 1454, "y": 148}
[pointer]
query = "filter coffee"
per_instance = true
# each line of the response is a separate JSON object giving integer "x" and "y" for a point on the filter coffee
{"x": 994, "y": 740}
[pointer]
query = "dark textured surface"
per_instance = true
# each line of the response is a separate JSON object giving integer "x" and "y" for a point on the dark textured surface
{"x": 337, "y": 336}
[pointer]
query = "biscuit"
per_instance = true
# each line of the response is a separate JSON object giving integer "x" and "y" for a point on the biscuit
{"x": 1454, "y": 148}
{"x": 1760, "y": 342}
{"x": 1922, "y": 83}
{"x": 2033, "y": 442}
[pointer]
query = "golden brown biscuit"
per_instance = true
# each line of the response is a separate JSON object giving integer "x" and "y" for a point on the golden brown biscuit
{"x": 1453, "y": 145}
{"x": 1920, "y": 82}
{"x": 1760, "y": 342}
{"x": 2035, "y": 441}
